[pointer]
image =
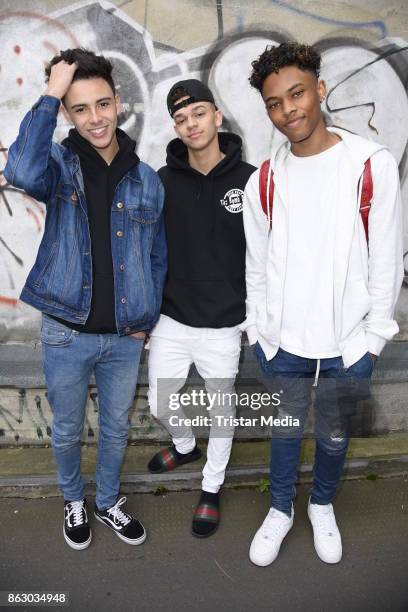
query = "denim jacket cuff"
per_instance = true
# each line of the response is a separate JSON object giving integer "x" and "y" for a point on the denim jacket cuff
{"x": 47, "y": 103}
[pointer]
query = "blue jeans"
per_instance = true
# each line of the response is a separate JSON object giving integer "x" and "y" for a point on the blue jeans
{"x": 338, "y": 393}
{"x": 69, "y": 358}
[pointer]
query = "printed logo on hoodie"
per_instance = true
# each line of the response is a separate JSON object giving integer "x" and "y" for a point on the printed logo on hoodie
{"x": 233, "y": 200}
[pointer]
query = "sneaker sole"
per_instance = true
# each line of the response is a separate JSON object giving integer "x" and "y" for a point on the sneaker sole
{"x": 124, "y": 538}
{"x": 331, "y": 561}
{"x": 180, "y": 462}
{"x": 263, "y": 563}
{"x": 74, "y": 545}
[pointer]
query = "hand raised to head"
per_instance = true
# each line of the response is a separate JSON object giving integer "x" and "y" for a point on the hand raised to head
{"x": 60, "y": 79}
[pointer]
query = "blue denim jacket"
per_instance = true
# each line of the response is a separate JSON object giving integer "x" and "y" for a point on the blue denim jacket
{"x": 60, "y": 282}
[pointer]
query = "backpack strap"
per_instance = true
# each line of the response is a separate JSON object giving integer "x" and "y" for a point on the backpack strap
{"x": 263, "y": 187}
{"x": 366, "y": 195}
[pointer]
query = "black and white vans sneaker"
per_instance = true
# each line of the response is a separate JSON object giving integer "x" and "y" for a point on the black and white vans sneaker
{"x": 77, "y": 532}
{"x": 126, "y": 527}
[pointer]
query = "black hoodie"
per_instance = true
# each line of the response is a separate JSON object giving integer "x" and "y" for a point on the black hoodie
{"x": 205, "y": 237}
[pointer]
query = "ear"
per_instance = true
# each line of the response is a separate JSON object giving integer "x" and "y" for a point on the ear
{"x": 218, "y": 118}
{"x": 118, "y": 104}
{"x": 321, "y": 90}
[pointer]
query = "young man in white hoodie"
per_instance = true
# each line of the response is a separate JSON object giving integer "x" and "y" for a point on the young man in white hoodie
{"x": 322, "y": 282}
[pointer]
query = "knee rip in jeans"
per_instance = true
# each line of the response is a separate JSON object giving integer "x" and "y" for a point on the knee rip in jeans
{"x": 335, "y": 445}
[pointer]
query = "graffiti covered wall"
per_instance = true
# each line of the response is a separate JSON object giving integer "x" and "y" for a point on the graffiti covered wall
{"x": 153, "y": 43}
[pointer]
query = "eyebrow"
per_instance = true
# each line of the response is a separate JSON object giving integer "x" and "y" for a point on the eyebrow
{"x": 180, "y": 114}
{"x": 288, "y": 91}
{"x": 97, "y": 102}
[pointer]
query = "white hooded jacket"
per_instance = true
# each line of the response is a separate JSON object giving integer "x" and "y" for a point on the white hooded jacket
{"x": 366, "y": 281}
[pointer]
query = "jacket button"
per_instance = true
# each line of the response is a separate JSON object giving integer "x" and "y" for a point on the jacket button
{"x": 122, "y": 267}
{"x": 119, "y": 205}
{"x": 85, "y": 287}
{"x": 119, "y": 234}
{"x": 127, "y": 330}
{"x": 123, "y": 300}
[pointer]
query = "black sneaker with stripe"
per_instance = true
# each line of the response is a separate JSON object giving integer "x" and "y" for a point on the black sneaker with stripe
{"x": 77, "y": 532}
{"x": 126, "y": 527}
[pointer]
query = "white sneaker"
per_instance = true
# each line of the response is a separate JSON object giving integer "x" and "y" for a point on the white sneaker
{"x": 327, "y": 538}
{"x": 268, "y": 539}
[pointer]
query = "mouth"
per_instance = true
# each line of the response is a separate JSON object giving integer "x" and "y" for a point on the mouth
{"x": 194, "y": 135}
{"x": 99, "y": 132}
{"x": 293, "y": 123}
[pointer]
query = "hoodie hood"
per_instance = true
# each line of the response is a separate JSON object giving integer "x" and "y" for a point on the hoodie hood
{"x": 125, "y": 158}
{"x": 230, "y": 145}
{"x": 359, "y": 149}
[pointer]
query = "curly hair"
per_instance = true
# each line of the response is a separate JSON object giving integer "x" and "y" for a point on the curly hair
{"x": 89, "y": 64}
{"x": 305, "y": 57}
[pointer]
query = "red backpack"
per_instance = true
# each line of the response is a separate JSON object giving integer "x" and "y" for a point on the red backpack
{"x": 366, "y": 194}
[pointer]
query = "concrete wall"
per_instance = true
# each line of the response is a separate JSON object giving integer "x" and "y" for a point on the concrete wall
{"x": 154, "y": 43}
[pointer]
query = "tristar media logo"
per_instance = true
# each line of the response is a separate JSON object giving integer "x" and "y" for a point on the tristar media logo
{"x": 233, "y": 200}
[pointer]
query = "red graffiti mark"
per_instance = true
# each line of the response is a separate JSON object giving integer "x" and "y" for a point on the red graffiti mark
{"x": 45, "y": 18}
{"x": 8, "y": 301}
{"x": 36, "y": 219}
{"x": 34, "y": 203}
{"x": 54, "y": 50}
{"x": 19, "y": 81}
{"x": 17, "y": 49}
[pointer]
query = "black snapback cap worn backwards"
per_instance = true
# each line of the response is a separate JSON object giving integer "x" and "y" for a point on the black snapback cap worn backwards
{"x": 194, "y": 89}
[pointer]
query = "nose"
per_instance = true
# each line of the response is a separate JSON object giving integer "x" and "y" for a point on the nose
{"x": 93, "y": 115}
{"x": 288, "y": 106}
{"x": 191, "y": 121}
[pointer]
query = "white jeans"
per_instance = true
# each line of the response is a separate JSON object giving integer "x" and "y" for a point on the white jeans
{"x": 216, "y": 361}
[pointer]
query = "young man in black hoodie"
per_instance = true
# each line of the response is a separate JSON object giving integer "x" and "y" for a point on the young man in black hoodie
{"x": 98, "y": 276}
{"x": 204, "y": 296}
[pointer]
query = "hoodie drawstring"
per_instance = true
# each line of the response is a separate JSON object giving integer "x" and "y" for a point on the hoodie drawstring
{"x": 316, "y": 378}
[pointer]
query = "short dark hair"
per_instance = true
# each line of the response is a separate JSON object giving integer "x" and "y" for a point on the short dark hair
{"x": 89, "y": 64}
{"x": 305, "y": 57}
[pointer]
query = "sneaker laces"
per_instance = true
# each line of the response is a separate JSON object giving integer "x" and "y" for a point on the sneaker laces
{"x": 119, "y": 517}
{"x": 325, "y": 518}
{"x": 273, "y": 525}
{"x": 77, "y": 510}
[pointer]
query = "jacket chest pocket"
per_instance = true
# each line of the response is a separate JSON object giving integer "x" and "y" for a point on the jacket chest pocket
{"x": 143, "y": 216}
{"x": 67, "y": 193}
{"x": 142, "y": 221}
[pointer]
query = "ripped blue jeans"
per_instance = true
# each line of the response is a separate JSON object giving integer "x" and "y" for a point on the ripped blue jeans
{"x": 337, "y": 394}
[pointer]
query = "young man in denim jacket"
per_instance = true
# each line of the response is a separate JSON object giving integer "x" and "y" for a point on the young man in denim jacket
{"x": 98, "y": 276}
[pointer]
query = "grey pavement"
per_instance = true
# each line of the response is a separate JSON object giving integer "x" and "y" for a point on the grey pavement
{"x": 173, "y": 570}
